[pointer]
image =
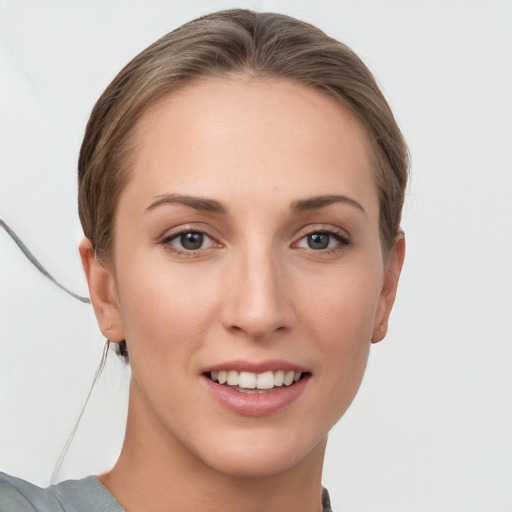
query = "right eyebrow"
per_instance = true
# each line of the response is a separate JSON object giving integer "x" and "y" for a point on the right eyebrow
{"x": 198, "y": 203}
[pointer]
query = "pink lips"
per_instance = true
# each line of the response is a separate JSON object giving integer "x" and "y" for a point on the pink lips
{"x": 256, "y": 404}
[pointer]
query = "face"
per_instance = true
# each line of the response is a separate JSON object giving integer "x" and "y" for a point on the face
{"x": 246, "y": 248}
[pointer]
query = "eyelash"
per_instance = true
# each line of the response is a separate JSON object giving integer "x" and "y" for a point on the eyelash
{"x": 338, "y": 234}
{"x": 168, "y": 245}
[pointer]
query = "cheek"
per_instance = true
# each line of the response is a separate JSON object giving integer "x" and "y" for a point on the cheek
{"x": 342, "y": 305}
{"x": 340, "y": 312}
{"x": 164, "y": 309}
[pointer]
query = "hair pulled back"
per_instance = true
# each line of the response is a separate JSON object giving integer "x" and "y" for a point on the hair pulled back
{"x": 229, "y": 43}
{"x": 232, "y": 42}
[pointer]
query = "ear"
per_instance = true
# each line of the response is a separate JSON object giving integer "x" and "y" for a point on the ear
{"x": 103, "y": 293}
{"x": 389, "y": 287}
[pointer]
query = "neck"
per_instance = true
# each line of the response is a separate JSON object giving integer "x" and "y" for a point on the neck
{"x": 156, "y": 473}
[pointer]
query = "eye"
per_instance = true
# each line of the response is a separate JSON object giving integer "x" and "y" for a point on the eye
{"x": 191, "y": 241}
{"x": 318, "y": 240}
{"x": 188, "y": 241}
{"x": 322, "y": 240}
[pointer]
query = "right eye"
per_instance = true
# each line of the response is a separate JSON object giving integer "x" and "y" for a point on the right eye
{"x": 188, "y": 242}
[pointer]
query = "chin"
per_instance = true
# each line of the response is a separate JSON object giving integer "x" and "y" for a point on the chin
{"x": 259, "y": 457}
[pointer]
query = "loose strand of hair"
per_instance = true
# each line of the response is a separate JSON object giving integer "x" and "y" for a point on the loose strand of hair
{"x": 71, "y": 436}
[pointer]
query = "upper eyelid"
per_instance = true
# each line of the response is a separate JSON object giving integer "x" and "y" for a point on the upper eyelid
{"x": 323, "y": 228}
{"x": 177, "y": 234}
{"x": 186, "y": 228}
{"x": 171, "y": 238}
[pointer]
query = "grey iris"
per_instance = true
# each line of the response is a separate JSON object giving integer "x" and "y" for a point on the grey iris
{"x": 318, "y": 241}
{"x": 191, "y": 241}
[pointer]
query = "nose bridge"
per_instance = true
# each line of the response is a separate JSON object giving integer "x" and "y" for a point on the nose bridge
{"x": 257, "y": 302}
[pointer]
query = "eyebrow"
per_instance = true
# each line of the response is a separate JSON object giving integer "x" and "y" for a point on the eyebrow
{"x": 210, "y": 205}
{"x": 198, "y": 203}
{"x": 314, "y": 203}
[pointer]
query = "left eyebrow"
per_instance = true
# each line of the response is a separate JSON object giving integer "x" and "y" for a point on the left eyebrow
{"x": 314, "y": 203}
{"x": 198, "y": 203}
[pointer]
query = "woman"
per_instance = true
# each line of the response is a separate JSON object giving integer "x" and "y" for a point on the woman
{"x": 240, "y": 189}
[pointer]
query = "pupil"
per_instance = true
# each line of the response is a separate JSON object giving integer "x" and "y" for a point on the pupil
{"x": 192, "y": 241}
{"x": 318, "y": 241}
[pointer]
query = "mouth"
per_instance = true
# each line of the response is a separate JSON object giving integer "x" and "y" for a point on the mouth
{"x": 256, "y": 383}
{"x": 256, "y": 388}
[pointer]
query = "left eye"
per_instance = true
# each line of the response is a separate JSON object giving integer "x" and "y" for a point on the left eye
{"x": 320, "y": 240}
{"x": 190, "y": 241}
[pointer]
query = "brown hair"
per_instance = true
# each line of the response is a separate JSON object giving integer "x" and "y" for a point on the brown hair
{"x": 229, "y": 43}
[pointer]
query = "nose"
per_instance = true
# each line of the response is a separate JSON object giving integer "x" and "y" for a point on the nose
{"x": 256, "y": 303}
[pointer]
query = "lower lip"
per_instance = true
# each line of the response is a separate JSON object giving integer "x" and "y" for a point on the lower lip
{"x": 256, "y": 404}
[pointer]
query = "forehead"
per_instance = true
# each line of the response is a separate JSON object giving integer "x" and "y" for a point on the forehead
{"x": 252, "y": 135}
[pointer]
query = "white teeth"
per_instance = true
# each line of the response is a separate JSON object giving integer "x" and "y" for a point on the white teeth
{"x": 266, "y": 380}
{"x": 232, "y": 378}
{"x": 288, "y": 377}
{"x": 247, "y": 380}
{"x": 279, "y": 378}
{"x": 250, "y": 380}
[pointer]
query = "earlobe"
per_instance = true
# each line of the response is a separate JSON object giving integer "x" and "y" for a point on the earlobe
{"x": 102, "y": 290}
{"x": 389, "y": 287}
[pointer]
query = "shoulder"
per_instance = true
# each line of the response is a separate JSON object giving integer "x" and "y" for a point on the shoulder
{"x": 17, "y": 495}
{"x": 20, "y": 496}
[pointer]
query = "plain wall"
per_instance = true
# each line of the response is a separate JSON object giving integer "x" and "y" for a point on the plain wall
{"x": 431, "y": 428}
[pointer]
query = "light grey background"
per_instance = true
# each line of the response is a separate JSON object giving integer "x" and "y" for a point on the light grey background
{"x": 431, "y": 429}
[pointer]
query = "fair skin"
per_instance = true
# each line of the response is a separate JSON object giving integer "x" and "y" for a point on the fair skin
{"x": 281, "y": 268}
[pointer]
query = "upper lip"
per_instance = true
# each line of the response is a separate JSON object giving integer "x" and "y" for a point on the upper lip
{"x": 240, "y": 365}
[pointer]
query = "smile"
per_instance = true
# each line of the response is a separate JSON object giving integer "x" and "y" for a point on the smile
{"x": 255, "y": 382}
{"x": 260, "y": 392}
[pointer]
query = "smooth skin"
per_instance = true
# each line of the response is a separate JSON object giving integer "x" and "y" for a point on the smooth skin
{"x": 274, "y": 184}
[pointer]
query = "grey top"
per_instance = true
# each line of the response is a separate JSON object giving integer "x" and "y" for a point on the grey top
{"x": 86, "y": 495}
